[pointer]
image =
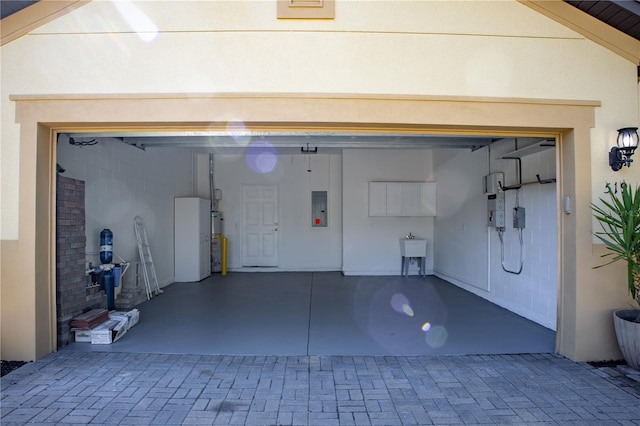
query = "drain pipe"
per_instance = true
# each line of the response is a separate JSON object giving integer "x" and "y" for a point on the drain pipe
{"x": 211, "y": 186}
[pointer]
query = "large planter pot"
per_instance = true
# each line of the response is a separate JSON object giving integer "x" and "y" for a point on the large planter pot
{"x": 628, "y": 334}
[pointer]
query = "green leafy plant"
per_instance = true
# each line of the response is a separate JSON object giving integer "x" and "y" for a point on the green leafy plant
{"x": 619, "y": 219}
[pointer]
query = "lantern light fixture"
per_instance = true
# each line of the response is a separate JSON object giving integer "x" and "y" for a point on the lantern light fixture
{"x": 627, "y": 143}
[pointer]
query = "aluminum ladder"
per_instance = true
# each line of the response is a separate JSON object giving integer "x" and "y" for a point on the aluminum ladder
{"x": 148, "y": 270}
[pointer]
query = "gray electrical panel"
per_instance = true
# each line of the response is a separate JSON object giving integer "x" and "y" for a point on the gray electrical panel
{"x": 319, "y": 209}
{"x": 495, "y": 210}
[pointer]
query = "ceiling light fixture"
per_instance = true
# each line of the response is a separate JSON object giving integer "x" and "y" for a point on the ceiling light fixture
{"x": 627, "y": 142}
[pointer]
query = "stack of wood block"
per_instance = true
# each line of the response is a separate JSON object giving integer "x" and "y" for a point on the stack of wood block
{"x": 90, "y": 319}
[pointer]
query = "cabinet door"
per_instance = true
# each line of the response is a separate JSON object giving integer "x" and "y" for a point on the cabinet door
{"x": 411, "y": 192}
{"x": 394, "y": 199}
{"x": 377, "y": 199}
{"x": 402, "y": 198}
{"x": 428, "y": 199}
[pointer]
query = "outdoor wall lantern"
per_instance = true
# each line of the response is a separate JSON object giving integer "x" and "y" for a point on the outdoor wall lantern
{"x": 627, "y": 143}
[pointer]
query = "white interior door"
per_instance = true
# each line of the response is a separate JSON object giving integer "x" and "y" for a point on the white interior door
{"x": 260, "y": 226}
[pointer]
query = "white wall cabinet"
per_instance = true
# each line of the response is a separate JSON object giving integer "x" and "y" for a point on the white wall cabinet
{"x": 377, "y": 199}
{"x": 411, "y": 199}
{"x": 402, "y": 199}
{"x": 427, "y": 199}
{"x": 192, "y": 239}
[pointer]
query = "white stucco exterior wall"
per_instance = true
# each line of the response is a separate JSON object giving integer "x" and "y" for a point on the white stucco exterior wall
{"x": 455, "y": 48}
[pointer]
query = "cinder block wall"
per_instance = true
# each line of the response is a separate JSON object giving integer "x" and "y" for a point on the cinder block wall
{"x": 73, "y": 296}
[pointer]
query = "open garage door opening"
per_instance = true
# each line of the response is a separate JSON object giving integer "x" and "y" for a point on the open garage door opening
{"x": 490, "y": 224}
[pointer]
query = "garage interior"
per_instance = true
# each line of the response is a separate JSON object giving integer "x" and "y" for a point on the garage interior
{"x": 337, "y": 288}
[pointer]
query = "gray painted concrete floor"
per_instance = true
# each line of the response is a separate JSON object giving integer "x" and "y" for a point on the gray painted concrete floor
{"x": 138, "y": 383}
{"x": 325, "y": 313}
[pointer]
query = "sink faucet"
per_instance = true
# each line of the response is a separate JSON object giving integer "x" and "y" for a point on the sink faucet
{"x": 410, "y": 236}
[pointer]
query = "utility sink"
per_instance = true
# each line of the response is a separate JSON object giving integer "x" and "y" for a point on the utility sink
{"x": 416, "y": 247}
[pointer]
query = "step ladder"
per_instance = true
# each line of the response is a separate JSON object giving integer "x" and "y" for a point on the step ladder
{"x": 148, "y": 270}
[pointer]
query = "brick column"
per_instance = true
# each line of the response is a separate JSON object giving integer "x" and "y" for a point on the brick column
{"x": 73, "y": 297}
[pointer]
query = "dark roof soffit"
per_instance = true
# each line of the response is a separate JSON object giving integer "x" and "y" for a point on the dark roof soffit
{"x": 9, "y": 7}
{"x": 624, "y": 15}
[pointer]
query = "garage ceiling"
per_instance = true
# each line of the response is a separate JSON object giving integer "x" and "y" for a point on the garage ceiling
{"x": 321, "y": 140}
{"x": 291, "y": 142}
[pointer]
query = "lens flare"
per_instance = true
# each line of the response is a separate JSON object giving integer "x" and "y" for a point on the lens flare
{"x": 261, "y": 157}
{"x": 437, "y": 336}
{"x": 137, "y": 20}
{"x": 426, "y": 326}
{"x": 238, "y": 131}
{"x": 407, "y": 310}
{"x": 400, "y": 304}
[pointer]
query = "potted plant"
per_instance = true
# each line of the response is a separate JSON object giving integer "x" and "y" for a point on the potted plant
{"x": 619, "y": 218}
